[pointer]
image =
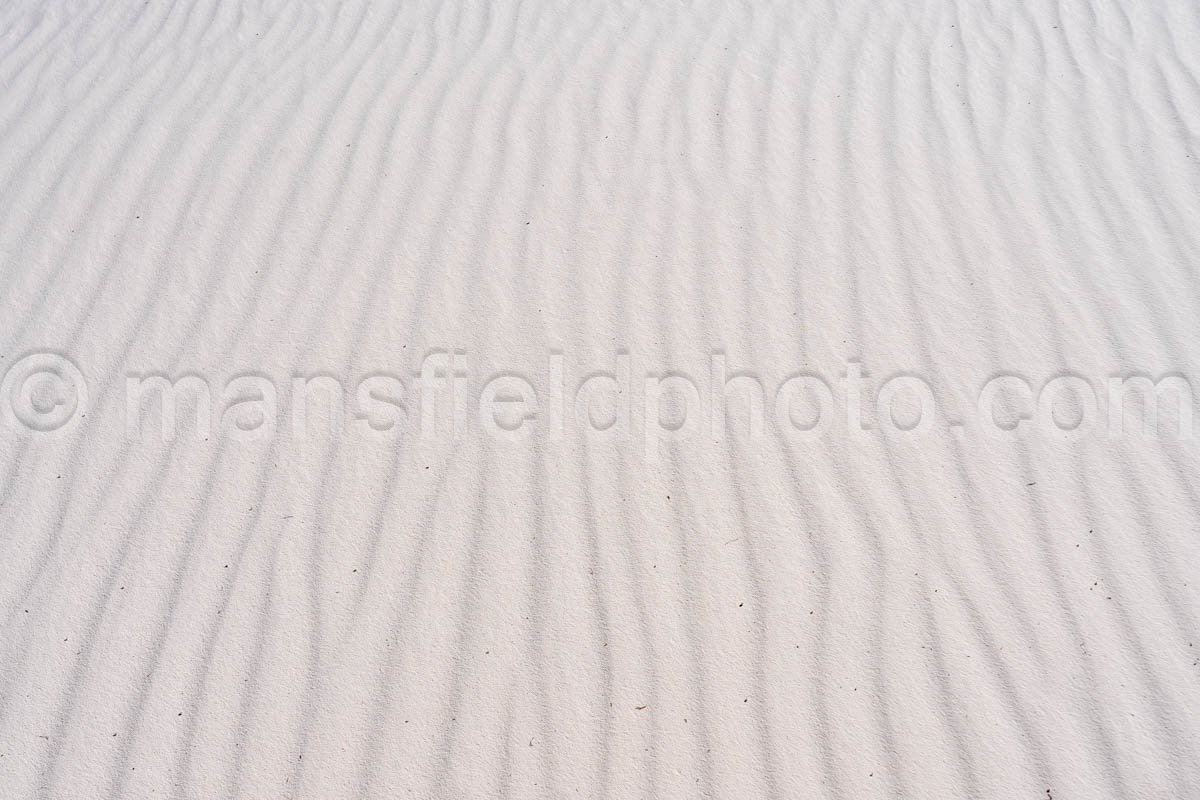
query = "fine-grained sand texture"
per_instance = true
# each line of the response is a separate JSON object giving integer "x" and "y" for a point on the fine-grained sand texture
{"x": 947, "y": 191}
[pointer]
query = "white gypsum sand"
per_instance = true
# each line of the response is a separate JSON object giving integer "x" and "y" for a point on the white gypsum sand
{"x": 466, "y": 588}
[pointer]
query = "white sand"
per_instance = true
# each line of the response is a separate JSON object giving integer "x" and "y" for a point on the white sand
{"x": 942, "y": 190}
